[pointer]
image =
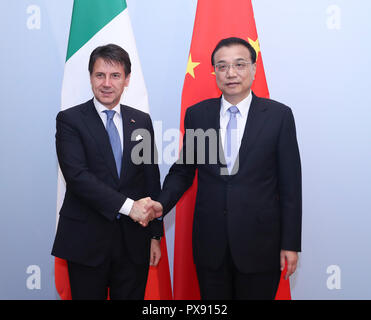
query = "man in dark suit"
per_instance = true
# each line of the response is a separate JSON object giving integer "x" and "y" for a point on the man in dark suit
{"x": 247, "y": 219}
{"x": 108, "y": 195}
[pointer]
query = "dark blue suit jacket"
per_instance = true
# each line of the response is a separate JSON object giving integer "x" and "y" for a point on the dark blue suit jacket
{"x": 256, "y": 211}
{"x": 95, "y": 193}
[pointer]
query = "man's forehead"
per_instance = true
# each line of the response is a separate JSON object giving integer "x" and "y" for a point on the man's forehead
{"x": 232, "y": 52}
{"x": 101, "y": 62}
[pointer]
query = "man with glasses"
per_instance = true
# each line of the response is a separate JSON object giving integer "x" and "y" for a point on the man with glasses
{"x": 247, "y": 219}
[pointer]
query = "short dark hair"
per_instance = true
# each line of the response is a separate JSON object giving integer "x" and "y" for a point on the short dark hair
{"x": 111, "y": 53}
{"x": 234, "y": 41}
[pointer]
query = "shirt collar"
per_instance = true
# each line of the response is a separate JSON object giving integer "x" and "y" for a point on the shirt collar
{"x": 100, "y": 107}
{"x": 243, "y": 106}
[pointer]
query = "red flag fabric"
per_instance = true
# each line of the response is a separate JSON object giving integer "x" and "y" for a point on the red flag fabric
{"x": 215, "y": 20}
{"x": 283, "y": 292}
{"x": 62, "y": 280}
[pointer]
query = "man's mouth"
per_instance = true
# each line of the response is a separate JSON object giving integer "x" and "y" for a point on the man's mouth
{"x": 232, "y": 84}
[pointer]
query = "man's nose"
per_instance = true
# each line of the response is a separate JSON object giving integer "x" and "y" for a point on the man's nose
{"x": 107, "y": 82}
{"x": 231, "y": 71}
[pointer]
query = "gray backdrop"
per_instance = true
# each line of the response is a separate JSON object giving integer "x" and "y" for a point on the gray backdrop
{"x": 317, "y": 60}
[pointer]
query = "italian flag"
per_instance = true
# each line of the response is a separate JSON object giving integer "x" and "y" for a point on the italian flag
{"x": 95, "y": 23}
{"x": 215, "y": 20}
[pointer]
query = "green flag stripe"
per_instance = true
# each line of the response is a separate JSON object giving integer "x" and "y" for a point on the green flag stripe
{"x": 88, "y": 17}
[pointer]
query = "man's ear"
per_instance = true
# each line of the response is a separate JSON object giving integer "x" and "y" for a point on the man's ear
{"x": 127, "y": 80}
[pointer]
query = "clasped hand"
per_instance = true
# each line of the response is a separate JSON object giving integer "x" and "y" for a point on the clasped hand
{"x": 145, "y": 210}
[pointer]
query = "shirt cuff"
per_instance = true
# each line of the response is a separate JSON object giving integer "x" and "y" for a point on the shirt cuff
{"x": 126, "y": 207}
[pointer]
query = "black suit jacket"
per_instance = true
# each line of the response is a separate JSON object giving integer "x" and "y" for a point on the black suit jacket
{"x": 257, "y": 211}
{"x": 94, "y": 192}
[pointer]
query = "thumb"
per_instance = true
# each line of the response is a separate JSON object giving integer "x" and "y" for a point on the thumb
{"x": 157, "y": 206}
{"x": 152, "y": 259}
{"x": 282, "y": 261}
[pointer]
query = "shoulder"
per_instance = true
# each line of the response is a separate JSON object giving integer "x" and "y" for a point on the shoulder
{"x": 271, "y": 105}
{"x": 75, "y": 111}
{"x": 204, "y": 105}
{"x": 138, "y": 114}
{"x": 136, "y": 118}
{"x": 278, "y": 111}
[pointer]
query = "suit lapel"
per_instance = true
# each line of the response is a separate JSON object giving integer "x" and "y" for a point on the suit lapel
{"x": 99, "y": 133}
{"x": 213, "y": 114}
{"x": 255, "y": 121}
{"x": 129, "y": 124}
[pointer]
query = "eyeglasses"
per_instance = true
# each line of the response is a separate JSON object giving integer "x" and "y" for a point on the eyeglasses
{"x": 238, "y": 66}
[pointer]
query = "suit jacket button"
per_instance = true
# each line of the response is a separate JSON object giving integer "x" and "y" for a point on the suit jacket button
{"x": 225, "y": 212}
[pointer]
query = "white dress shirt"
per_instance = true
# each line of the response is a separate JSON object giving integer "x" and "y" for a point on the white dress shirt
{"x": 243, "y": 108}
{"x": 117, "y": 119}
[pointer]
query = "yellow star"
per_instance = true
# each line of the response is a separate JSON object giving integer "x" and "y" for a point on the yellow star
{"x": 191, "y": 66}
{"x": 255, "y": 45}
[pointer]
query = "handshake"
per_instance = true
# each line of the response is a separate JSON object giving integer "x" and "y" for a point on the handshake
{"x": 145, "y": 210}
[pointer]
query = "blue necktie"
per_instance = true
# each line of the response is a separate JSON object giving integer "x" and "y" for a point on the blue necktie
{"x": 114, "y": 138}
{"x": 231, "y": 142}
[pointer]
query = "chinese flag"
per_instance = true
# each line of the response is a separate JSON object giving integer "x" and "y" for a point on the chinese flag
{"x": 215, "y": 20}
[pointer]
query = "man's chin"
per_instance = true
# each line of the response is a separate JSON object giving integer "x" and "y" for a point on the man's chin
{"x": 108, "y": 103}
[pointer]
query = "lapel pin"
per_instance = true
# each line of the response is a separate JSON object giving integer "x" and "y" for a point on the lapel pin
{"x": 132, "y": 121}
